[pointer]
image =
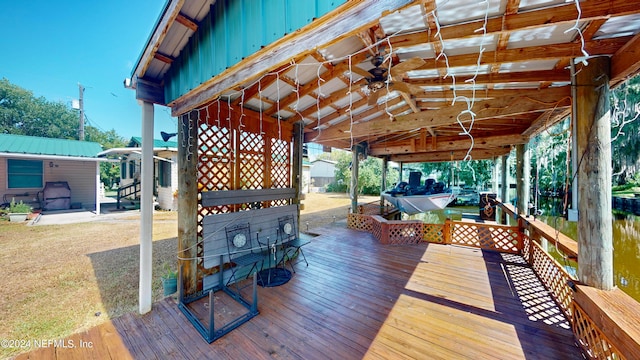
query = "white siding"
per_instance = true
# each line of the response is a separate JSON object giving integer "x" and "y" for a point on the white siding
{"x": 320, "y": 168}
{"x": 81, "y": 176}
{"x": 165, "y": 198}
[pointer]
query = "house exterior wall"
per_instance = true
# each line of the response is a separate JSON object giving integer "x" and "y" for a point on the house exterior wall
{"x": 323, "y": 169}
{"x": 306, "y": 179}
{"x": 165, "y": 199}
{"x": 80, "y": 175}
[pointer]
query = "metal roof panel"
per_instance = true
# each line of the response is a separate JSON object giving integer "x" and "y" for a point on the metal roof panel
{"x": 23, "y": 144}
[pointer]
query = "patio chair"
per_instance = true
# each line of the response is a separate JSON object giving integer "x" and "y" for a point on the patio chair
{"x": 291, "y": 242}
{"x": 242, "y": 254}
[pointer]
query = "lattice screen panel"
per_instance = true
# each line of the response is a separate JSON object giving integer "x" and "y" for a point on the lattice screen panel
{"x": 554, "y": 277}
{"x": 401, "y": 233}
{"x": 486, "y": 237}
{"x": 433, "y": 233}
{"x": 233, "y": 155}
{"x": 252, "y": 161}
{"x": 592, "y": 341}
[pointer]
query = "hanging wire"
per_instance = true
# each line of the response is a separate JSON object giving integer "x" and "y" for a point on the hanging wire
{"x": 576, "y": 27}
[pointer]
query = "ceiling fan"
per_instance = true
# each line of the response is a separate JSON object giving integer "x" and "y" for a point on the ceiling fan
{"x": 378, "y": 79}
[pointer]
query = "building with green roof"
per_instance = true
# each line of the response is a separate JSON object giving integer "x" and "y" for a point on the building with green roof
{"x": 28, "y": 163}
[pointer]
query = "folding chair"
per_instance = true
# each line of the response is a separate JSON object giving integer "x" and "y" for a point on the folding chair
{"x": 291, "y": 243}
{"x": 242, "y": 254}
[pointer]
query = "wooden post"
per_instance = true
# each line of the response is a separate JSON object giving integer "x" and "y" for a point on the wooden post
{"x": 523, "y": 174}
{"x": 446, "y": 231}
{"x": 494, "y": 175}
{"x": 296, "y": 171}
{"x": 383, "y": 181}
{"x": 355, "y": 164}
{"x": 594, "y": 175}
{"x": 187, "y": 204}
{"x": 146, "y": 211}
{"x": 504, "y": 193}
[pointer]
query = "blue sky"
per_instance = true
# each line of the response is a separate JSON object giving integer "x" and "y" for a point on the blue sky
{"x": 49, "y": 46}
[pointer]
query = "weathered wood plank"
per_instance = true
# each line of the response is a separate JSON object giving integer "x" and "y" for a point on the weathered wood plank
{"x": 230, "y": 197}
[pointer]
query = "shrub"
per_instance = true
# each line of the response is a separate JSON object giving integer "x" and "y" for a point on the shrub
{"x": 19, "y": 208}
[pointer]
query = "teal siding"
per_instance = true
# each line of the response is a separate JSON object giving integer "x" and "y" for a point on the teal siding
{"x": 234, "y": 30}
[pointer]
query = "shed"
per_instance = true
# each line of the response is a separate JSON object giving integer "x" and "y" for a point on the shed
{"x": 28, "y": 163}
{"x": 323, "y": 172}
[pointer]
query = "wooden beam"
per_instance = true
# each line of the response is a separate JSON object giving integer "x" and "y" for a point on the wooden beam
{"x": 338, "y": 24}
{"x": 503, "y": 107}
{"x": 449, "y": 144}
{"x": 187, "y": 22}
{"x": 520, "y": 77}
{"x": 164, "y": 58}
{"x": 159, "y": 33}
{"x": 546, "y": 120}
{"x": 441, "y": 156}
{"x": 625, "y": 63}
{"x": 531, "y": 53}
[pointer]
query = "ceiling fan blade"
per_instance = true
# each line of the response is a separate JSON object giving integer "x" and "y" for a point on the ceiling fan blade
{"x": 358, "y": 70}
{"x": 407, "y": 65}
{"x": 373, "y": 97}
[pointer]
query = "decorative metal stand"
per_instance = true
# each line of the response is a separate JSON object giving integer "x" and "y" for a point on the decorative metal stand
{"x": 210, "y": 333}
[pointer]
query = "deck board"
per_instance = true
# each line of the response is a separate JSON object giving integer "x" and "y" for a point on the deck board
{"x": 358, "y": 299}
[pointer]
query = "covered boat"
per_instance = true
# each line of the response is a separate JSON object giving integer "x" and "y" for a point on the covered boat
{"x": 414, "y": 198}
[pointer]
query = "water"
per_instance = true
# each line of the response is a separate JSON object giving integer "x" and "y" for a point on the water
{"x": 626, "y": 242}
{"x": 626, "y": 249}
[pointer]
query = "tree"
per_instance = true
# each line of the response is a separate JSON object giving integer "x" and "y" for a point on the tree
{"x": 22, "y": 113}
{"x": 625, "y": 131}
{"x": 369, "y": 174}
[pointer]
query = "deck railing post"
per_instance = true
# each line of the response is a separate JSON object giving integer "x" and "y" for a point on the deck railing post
{"x": 446, "y": 231}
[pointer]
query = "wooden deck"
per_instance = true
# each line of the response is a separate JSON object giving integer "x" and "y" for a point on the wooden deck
{"x": 361, "y": 299}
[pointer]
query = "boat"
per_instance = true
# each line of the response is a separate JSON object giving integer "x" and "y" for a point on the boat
{"x": 415, "y": 204}
{"x": 414, "y": 198}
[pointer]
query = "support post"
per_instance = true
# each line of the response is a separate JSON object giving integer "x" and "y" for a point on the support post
{"x": 383, "y": 181}
{"x": 355, "y": 164}
{"x": 594, "y": 174}
{"x": 187, "y": 204}
{"x": 504, "y": 180}
{"x": 495, "y": 179}
{"x": 98, "y": 187}
{"x": 298, "y": 139}
{"x": 504, "y": 193}
{"x": 573, "y": 211}
{"x": 523, "y": 174}
{"x": 146, "y": 210}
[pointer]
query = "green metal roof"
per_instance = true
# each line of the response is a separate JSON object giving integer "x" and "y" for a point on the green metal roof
{"x": 136, "y": 141}
{"x": 21, "y": 144}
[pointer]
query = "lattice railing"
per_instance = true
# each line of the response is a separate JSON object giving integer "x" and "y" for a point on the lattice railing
{"x": 593, "y": 342}
{"x": 433, "y": 233}
{"x": 404, "y": 232}
{"x": 360, "y": 222}
{"x": 485, "y": 236}
{"x": 555, "y": 278}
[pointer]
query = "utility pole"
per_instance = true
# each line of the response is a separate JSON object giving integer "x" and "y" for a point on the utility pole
{"x": 81, "y": 104}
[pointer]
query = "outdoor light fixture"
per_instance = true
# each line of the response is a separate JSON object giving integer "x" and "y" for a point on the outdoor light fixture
{"x": 167, "y": 136}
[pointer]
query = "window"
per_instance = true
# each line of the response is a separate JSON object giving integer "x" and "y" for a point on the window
{"x": 24, "y": 173}
{"x": 123, "y": 170}
{"x": 132, "y": 169}
{"x": 164, "y": 173}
